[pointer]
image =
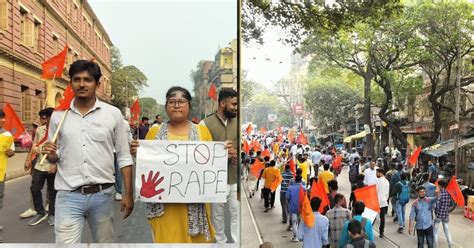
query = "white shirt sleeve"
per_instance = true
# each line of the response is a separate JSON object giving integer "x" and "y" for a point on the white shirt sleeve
{"x": 6, "y": 133}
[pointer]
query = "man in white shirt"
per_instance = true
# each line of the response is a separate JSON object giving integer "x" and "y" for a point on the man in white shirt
{"x": 353, "y": 155}
{"x": 293, "y": 149}
{"x": 383, "y": 188}
{"x": 370, "y": 174}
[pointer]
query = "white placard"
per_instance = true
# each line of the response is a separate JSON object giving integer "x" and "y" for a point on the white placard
{"x": 181, "y": 171}
{"x": 370, "y": 214}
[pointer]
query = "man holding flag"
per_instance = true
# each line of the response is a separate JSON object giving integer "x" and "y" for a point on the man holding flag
{"x": 89, "y": 132}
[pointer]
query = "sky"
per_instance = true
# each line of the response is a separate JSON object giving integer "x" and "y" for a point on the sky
{"x": 167, "y": 39}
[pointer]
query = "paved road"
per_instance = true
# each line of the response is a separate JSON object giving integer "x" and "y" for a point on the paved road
{"x": 134, "y": 229}
{"x": 271, "y": 228}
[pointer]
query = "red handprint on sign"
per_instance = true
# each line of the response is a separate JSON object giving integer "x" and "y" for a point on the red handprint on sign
{"x": 148, "y": 189}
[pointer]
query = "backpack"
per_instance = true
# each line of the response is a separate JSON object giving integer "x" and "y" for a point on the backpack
{"x": 366, "y": 244}
{"x": 353, "y": 172}
{"x": 404, "y": 196}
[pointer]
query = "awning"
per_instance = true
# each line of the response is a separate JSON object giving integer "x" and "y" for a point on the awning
{"x": 360, "y": 135}
{"x": 442, "y": 149}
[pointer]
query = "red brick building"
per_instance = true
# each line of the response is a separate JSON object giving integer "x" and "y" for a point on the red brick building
{"x": 32, "y": 31}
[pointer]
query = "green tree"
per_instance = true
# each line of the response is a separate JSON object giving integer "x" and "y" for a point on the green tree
{"x": 150, "y": 107}
{"x": 260, "y": 105}
{"x": 127, "y": 81}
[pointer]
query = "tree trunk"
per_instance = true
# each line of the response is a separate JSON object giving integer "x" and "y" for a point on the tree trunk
{"x": 437, "y": 122}
{"x": 366, "y": 113}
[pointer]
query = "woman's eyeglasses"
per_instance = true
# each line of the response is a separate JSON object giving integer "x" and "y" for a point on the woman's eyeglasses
{"x": 180, "y": 102}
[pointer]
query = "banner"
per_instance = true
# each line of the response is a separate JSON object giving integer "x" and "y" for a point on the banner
{"x": 181, "y": 171}
{"x": 5, "y": 144}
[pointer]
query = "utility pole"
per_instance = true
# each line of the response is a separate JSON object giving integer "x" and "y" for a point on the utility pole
{"x": 458, "y": 103}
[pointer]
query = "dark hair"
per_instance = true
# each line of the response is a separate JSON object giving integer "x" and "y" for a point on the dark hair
{"x": 442, "y": 183}
{"x": 82, "y": 65}
{"x": 2, "y": 114}
{"x": 186, "y": 93}
{"x": 426, "y": 177}
{"x": 299, "y": 171}
{"x": 287, "y": 167}
{"x": 359, "y": 207}
{"x": 259, "y": 152}
{"x": 381, "y": 171}
{"x": 400, "y": 167}
{"x": 420, "y": 188}
{"x": 360, "y": 177}
{"x": 144, "y": 118}
{"x": 272, "y": 163}
{"x": 354, "y": 227}
{"x": 46, "y": 112}
{"x": 298, "y": 178}
{"x": 225, "y": 93}
{"x": 326, "y": 166}
{"x": 157, "y": 116}
{"x": 338, "y": 197}
{"x": 266, "y": 158}
{"x": 315, "y": 203}
{"x": 332, "y": 184}
{"x": 403, "y": 176}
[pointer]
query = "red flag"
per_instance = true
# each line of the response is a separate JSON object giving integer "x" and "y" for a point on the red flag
{"x": 368, "y": 195}
{"x": 292, "y": 166}
{"x": 212, "y": 92}
{"x": 257, "y": 166}
{"x": 263, "y": 130}
{"x": 12, "y": 124}
{"x": 455, "y": 191}
{"x": 246, "y": 146}
{"x": 65, "y": 102}
{"x": 414, "y": 157}
{"x": 55, "y": 65}
{"x": 305, "y": 209}
{"x": 317, "y": 189}
{"x": 249, "y": 128}
{"x": 135, "y": 110}
{"x": 303, "y": 139}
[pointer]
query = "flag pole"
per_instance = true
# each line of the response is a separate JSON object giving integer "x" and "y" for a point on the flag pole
{"x": 55, "y": 136}
{"x": 46, "y": 100}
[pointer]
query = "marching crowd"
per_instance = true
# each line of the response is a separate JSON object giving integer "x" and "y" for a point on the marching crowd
{"x": 296, "y": 170}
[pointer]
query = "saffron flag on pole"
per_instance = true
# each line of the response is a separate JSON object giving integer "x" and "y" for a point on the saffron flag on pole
{"x": 368, "y": 195}
{"x": 455, "y": 192}
{"x": 135, "y": 110}
{"x": 305, "y": 209}
{"x": 246, "y": 146}
{"x": 65, "y": 102}
{"x": 302, "y": 138}
{"x": 249, "y": 128}
{"x": 266, "y": 153}
{"x": 317, "y": 189}
{"x": 212, "y": 92}
{"x": 12, "y": 124}
{"x": 257, "y": 166}
{"x": 263, "y": 130}
{"x": 414, "y": 157}
{"x": 54, "y": 66}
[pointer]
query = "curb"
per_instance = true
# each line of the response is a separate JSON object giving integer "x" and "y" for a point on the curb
{"x": 16, "y": 174}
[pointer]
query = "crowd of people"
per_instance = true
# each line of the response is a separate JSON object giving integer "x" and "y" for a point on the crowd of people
{"x": 297, "y": 167}
{"x": 90, "y": 165}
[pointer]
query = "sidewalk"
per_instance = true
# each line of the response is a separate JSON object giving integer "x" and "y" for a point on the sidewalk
{"x": 15, "y": 166}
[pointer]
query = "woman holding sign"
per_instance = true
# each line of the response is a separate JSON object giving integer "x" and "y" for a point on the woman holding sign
{"x": 179, "y": 222}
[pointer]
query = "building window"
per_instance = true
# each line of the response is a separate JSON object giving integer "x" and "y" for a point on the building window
{"x": 56, "y": 43}
{"x": 3, "y": 15}
{"x": 36, "y": 34}
{"x": 25, "y": 104}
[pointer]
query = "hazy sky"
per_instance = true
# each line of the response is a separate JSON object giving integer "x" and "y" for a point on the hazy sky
{"x": 167, "y": 39}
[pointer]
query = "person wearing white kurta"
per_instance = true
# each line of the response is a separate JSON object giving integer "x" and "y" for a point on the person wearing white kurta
{"x": 383, "y": 189}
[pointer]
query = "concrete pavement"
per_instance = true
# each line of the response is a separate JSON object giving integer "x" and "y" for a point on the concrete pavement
{"x": 15, "y": 166}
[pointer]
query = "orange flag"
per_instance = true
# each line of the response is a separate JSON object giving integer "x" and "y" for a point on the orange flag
{"x": 54, "y": 66}
{"x": 336, "y": 164}
{"x": 274, "y": 185}
{"x": 317, "y": 189}
{"x": 414, "y": 157}
{"x": 263, "y": 130}
{"x": 266, "y": 153}
{"x": 135, "y": 110}
{"x": 12, "y": 124}
{"x": 455, "y": 191}
{"x": 291, "y": 137}
{"x": 256, "y": 168}
{"x": 292, "y": 166}
{"x": 212, "y": 92}
{"x": 368, "y": 195}
{"x": 305, "y": 209}
{"x": 65, "y": 102}
{"x": 256, "y": 145}
{"x": 246, "y": 146}
{"x": 303, "y": 139}
{"x": 249, "y": 128}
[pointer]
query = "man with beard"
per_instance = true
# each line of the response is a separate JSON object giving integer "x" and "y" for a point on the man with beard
{"x": 223, "y": 127}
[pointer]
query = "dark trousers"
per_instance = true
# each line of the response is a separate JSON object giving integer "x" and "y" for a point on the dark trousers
{"x": 422, "y": 233}
{"x": 383, "y": 212}
{"x": 269, "y": 197}
{"x": 37, "y": 183}
{"x": 284, "y": 207}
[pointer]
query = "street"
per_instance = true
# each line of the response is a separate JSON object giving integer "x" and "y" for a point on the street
{"x": 272, "y": 230}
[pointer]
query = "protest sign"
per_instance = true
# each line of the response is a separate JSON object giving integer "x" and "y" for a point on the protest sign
{"x": 181, "y": 171}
